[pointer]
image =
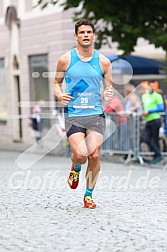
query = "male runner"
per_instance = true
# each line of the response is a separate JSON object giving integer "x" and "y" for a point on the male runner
{"x": 84, "y": 69}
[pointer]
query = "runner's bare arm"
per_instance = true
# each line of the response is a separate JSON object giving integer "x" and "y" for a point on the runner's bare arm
{"x": 107, "y": 69}
{"x": 59, "y": 77}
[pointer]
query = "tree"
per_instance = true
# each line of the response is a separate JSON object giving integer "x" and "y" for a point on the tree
{"x": 123, "y": 21}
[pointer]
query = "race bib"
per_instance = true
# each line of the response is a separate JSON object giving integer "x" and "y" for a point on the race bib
{"x": 84, "y": 100}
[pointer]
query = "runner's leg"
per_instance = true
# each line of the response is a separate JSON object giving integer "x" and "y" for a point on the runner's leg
{"x": 78, "y": 147}
{"x": 94, "y": 141}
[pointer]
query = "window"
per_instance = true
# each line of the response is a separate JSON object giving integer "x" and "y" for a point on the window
{"x": 3, "y": 99}
{"x": 39, "y": 89}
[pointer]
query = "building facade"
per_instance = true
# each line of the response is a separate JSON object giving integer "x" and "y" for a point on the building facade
{"x": 31, "y": 41}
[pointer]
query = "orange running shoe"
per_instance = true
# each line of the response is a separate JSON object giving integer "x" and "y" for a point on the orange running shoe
{"x": 88, "y": 202}
{"x": 73, "y": 178}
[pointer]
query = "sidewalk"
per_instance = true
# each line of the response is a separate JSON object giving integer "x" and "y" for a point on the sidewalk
{"x": 61, "y": 149}
{"x": 18, "y": 147}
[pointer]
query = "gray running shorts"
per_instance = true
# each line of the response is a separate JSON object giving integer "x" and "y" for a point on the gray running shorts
{"x": 82, "y": 123}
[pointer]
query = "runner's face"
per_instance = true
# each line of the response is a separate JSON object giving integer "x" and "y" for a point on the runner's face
{"x": 85, "y": 35}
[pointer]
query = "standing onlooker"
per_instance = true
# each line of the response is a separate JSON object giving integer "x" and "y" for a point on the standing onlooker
{"x": 133, "y": 110}
{"x": 60, "y": 124}
{"x": 37, "y": 122}
{"x": 132, "y": 99}
{"x": 119, "y": 138}
{"x": 165, "y": 117}
{"x": 153, "y": 105}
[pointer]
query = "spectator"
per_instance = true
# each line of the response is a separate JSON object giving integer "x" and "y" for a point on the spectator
{"x": 132, "y": 99}
{"x": 36, "y": 123}
{"x": 165, "y": 118}
{"x": 60, "y": 125}
{"x": 152, "y": 104}
{"x": 120, "y": 136}
{"x": 133, "y": 109}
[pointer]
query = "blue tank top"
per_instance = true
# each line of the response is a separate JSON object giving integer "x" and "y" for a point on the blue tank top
{"x": 83, "y": 82}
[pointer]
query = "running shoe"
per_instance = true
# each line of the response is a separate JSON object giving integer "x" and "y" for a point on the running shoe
{"x": 88, "y": 202}
{"x": 73, "y": 178}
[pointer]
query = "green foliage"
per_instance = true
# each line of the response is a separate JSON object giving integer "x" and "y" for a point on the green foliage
{"x": 124, "y": 21}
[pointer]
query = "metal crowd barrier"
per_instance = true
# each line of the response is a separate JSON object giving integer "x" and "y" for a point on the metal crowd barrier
{"x": 128, "y": 137}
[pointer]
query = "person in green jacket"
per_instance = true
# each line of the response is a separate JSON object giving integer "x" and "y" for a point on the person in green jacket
{"x": 153, "y": 104}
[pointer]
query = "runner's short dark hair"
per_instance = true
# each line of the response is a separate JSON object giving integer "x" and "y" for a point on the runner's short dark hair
{"x": 83, "y": 22}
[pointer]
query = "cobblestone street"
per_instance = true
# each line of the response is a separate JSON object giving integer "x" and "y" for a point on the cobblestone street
{"x": 38, "y": 211}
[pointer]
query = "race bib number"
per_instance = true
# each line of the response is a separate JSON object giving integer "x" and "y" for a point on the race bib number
{"x": 84, "y": 100}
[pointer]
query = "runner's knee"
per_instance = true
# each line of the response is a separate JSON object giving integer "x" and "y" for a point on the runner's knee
{"x": 80, "y": 159}
{"x": 94, "y": 157}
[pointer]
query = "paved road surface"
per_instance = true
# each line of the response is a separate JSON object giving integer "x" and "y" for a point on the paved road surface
{"x": 38, "y": 212}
